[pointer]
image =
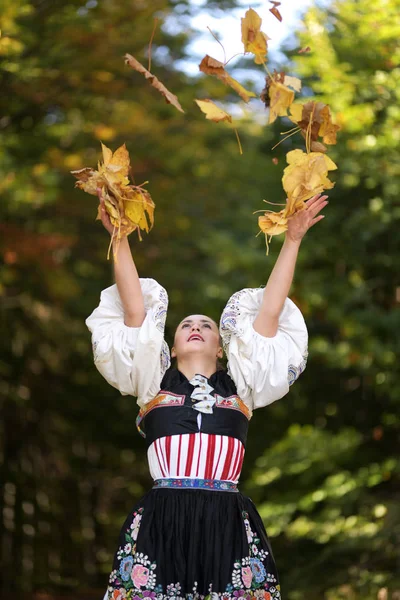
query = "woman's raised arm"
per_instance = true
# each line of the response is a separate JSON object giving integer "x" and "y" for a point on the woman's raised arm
{"x": 126, "y": 276}
{"x": 280, "y": 280}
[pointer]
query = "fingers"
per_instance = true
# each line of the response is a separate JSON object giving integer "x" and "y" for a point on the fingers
{"x": 317, "y": 206}
{"x": 316, "y": 220}
{"x": 314, "y": 200}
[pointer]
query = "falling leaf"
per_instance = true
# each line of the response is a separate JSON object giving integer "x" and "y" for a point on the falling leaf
{"x": 314, "y": 120}
{"x": 254, "y": 40}
{"x": 212, "y": 111}
{"x": 305, "y": 176}
{"x": 274, "y": 10}
{"x": 280, "y": 99}
{"x": 304, "y": 50}
{"x": 275, "y": 160}
{"x": 211, "y": 66}
{"x": 130, "y": 207}
{"x": 156, "y": 83}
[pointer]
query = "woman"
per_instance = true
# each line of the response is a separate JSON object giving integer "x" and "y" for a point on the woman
{"x": 194, "y": 535}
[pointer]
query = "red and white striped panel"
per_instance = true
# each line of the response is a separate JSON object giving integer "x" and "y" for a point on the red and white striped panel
{"x": 196, "y": 455}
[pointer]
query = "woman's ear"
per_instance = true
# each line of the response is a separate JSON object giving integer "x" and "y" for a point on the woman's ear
{"x": 220, "y": 353}
{"x": 173, "y": 353}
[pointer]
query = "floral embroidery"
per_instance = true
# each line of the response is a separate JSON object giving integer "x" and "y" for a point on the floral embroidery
{"x": 165, "y": 358}
{"x": 295, "y": 372}
{"x": 135, "y": 579}
{"x": 228, "y": 323}
{"x": 161, "y": 313}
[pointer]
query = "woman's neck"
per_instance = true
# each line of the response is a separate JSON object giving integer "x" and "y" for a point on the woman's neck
{"x": 193, "y": 365}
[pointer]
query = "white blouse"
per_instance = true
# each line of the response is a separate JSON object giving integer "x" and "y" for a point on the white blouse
{"x": 134, "y": 359}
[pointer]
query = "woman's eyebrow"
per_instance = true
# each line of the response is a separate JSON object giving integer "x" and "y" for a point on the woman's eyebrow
{"x": 190, "y": 321}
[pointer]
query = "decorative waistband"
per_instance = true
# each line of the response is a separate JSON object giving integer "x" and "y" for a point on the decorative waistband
{"x": 203, "y": 484}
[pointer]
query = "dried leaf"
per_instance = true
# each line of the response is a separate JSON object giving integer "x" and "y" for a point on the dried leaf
{"x": 275, "y": 160}
{"x": 211, "y": 66}
{"x": 156, "y": 83}
{"x": 274, "y": 10}
{"x": 212, "y": 111}
{"x": 314, "y": 120}
{"x": 305, "y": 176}
{"x": 130, "y": 207}
{"x": 304, "y": 50}
{"x": 273, "y": 223}
{"x": 254, "y": 40}
{"x": 280, "y": 99}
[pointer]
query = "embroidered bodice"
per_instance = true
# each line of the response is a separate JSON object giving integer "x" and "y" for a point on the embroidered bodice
{"x": 196, "y": 428}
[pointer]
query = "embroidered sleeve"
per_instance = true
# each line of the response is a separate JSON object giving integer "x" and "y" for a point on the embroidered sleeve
{"x": 263, "y": 368}
{"x": 131, "y": 359}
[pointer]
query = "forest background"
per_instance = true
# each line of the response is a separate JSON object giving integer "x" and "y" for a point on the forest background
{"x": 322, "y": 464}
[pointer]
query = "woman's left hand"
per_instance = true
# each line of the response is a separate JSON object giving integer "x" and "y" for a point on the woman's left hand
{"x": 300, "y": 222}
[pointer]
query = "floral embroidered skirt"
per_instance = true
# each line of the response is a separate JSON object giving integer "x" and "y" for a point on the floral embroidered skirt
{"x": 193, "y": 544}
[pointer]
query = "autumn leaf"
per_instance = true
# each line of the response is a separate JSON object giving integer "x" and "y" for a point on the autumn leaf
{"x": 274, "y": 10}
{"x": 314, "y": 120}
{"x": 277, "y": 96}
{"x": 211, "y": 66}
{"x": 212, "y": 111}
{"x": 130, "y": 207}
{"x": 281, "y": 97}
{"x": 156, "y": 83}
{"x": 273, "y": 223}
{"x": 305, "y": 176}
{"x": 254, "y": 40}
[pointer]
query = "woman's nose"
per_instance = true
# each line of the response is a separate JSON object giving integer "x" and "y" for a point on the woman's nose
{"x": 195, "y": 327}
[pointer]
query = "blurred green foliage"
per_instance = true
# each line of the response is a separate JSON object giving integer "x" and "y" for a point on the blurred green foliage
{"x": 322, "y": 464}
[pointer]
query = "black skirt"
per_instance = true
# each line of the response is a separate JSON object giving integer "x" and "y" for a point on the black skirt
{"x": 193, "y": 544}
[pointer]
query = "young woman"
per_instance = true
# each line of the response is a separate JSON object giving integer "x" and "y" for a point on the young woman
{"x": 194, "y": 535}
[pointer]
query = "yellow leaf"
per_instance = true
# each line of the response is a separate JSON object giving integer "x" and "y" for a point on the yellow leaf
{"x": 129, "y": 207}
{"x": 280, "y": 100}
{"x": 305, "y": 176}
{"x": 273, "y": 223}
{"x": 212, "y": 66}
{"x": 254, "y": 40}
{"x": 212, "y": 111}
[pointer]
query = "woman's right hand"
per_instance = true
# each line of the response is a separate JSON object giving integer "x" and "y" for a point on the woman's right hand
{"x": 105, "y": 217}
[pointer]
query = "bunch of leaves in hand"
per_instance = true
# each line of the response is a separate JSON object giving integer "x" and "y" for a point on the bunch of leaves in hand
{"x": 130, "y": 207}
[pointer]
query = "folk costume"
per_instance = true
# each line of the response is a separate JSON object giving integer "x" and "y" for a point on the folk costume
{"x": 194, "y": 535}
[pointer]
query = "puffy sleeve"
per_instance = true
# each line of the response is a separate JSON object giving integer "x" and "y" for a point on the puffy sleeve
{"x": 262, "y": 368}
{"x": 131, "y": 359}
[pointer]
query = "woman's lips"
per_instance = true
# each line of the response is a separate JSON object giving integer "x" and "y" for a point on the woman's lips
{"x": 195, "y": 336}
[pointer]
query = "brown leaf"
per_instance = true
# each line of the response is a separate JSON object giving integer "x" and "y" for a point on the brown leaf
{"x": 274, "y": 10}
{"x": 156, "y": 83}
{"x": 212, "y": 66}
{"x": 275, "y": 160}
{"x": 314, "y": 120}
{"x": 304, "y": 50}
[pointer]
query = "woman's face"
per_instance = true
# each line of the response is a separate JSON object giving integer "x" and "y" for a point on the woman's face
{"x": 197, "y": 334}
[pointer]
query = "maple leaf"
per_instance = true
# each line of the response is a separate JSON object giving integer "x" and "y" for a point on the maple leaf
{"x": 212, "y": 111}
{"x": 254, "y": 40}
{"x": 305, "y": 176}
{"x": 130, "y": 207}
{"x": 212, "y": 66}
{"x": 156, "y": 83}
{"x": 314, "y": 120}
{"x": 274, "y": 10}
